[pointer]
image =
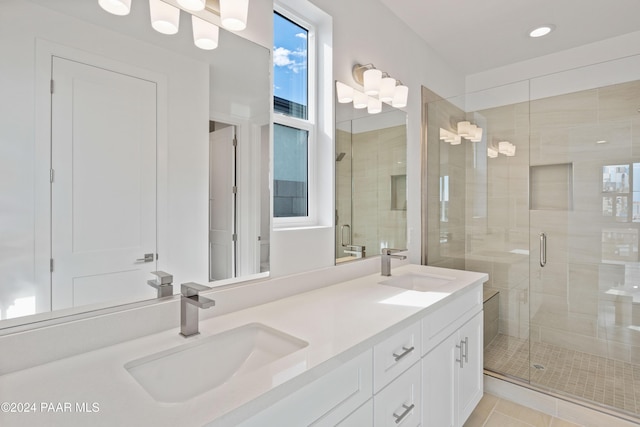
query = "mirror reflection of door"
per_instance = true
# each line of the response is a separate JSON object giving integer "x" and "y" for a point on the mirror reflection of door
{"x": 103, "y": 185}
{"x": 222, "y": 201}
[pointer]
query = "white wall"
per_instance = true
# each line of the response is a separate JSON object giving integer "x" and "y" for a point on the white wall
{"x": 568, "y": 62}
{"x": 182, "y": 140}
{"x": 366, "y": 31}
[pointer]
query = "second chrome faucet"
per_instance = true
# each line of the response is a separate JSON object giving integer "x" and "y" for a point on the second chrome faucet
{"x": 190, "y": 304}
{"x": 385, "y": 268}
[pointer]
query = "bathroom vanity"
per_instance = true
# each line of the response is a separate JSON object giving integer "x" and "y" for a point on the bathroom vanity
{"x": 399, "y": 350}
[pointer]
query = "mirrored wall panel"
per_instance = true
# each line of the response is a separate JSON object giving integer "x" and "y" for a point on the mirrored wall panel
{"x": 125, "y": 151}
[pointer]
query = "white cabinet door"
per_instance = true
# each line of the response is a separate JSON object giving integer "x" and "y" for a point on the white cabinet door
{"x": 470, "y": 382}
{"x": 399, "y": 403}
{"x": 439, "y": 377}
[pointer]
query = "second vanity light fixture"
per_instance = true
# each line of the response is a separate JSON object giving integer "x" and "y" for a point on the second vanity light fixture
{"x": 465, "y": 130}
{"x": 165, "y": 17}
{"x": 378, "y": 87}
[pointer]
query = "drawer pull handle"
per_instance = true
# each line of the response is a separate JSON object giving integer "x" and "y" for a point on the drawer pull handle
{"x": 406, "y": 351}
{"x": 465, "y": 353}
{"x": 461, "y": 360}
{"x": 407, "y": 410}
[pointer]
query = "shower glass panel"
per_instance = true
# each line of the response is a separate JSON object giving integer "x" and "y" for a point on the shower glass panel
{"x": 547, "y": 202}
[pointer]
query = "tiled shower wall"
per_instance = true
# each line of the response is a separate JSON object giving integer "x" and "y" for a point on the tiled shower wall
{"x": 364, "y": 188}
{"x": 377, "y": 156}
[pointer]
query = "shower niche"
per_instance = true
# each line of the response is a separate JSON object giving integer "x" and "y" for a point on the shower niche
{"x": 551, "y": 187}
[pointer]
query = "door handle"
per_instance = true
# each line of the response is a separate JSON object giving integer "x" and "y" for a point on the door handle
{"x": 342, "y": 229}
{"x": 543, "y": 249}
{"x": 147, "y": 258}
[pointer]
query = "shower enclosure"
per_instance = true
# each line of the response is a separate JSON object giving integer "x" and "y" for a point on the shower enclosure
{"x": 547, "y": 202}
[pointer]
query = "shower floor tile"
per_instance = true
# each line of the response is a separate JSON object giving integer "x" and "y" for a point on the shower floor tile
{"x": 606, "y": 381}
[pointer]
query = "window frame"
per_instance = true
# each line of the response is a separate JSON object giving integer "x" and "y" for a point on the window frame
{"x": 309, "y": 125}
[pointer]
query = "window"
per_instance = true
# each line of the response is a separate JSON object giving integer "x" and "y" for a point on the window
{"x": 294, "y": 120}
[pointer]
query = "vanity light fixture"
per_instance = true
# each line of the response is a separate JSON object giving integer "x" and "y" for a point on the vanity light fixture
{"x": 116, "y": 7}
{"x": 165, "y": 18}
{"x": 233, "y": 14}
{"x": 492, "y": 152}
{"x": 378, "y": 87}
{"x": 205, "y": 34}
{"x": 506, "y": 148}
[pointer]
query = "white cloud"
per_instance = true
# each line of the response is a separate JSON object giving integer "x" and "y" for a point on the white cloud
{"x": 293, "y": 60}
{"x": 302, "y": 35}
{"x": 281, "y": 57}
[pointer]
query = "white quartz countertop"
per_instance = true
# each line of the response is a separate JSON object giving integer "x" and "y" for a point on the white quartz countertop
{"x": 338, "y": 322}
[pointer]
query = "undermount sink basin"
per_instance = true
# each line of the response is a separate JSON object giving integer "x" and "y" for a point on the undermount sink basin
{"x": 181, "y": 373}
{"x": 423, "y": 282}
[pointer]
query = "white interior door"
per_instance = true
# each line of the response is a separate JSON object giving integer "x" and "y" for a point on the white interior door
{"x": 103, "y": 192}
{"x": 222, "y": 239}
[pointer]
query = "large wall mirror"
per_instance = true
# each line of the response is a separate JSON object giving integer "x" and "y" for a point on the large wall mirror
{"x": 124, "y": 151}
{"x": 371, "y": 181}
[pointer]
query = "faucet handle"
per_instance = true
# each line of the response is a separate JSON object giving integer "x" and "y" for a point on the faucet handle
{"x": 192, "y": 289}
{"x": 163, "y": 278}
{"x": 389, "y": 251}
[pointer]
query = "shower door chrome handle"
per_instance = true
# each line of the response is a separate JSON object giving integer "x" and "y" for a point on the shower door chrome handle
{"x": 342, "y": 235}
{"x": 543, "y": 249}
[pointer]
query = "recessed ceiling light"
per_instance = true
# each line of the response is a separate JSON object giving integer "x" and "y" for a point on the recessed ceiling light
{"x": 601, "y": 141}
{"x": 541, "y": 31}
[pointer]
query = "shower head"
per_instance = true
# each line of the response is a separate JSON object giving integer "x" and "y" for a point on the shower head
{"x": 340, "y": 157}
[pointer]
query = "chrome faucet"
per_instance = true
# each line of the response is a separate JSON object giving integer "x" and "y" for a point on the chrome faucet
{"x": 385, "y": 269}
{"x": 163, "y": 283}
{"x": 190, "y": 303}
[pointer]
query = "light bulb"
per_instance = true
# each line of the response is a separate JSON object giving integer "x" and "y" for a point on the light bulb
{"x": 360, "y": 100}
{"x": 374, "y": 106}
{"x": 344, "y": 93}
{"x": 116, "y": 7}
{"x": 165, "y": 18}
{"x": 387, "y": 89}
{"x": 400, "y": 96}
{"x": 205, "y": 34}
{"x": 372, "y": 79}
{"x": 233, "y": 14}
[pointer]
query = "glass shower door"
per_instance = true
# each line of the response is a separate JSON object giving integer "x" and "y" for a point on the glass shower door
{"x": 585, "y": 200}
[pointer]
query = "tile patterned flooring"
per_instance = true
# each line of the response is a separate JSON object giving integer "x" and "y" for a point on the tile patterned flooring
{"x": 495, "y": 412}
{"x": 606, "y": 381}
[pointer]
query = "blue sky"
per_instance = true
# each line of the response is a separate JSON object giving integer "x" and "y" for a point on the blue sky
{"x": 289, "y": 60}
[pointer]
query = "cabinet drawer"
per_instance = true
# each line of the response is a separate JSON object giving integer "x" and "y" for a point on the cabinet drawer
{"x": 399, "y": 404}
{"x": 395, "y": 355}
{"x": 447, "y": 319}
{"x": 325, "y": 401}
{"x": 363, "y": 416}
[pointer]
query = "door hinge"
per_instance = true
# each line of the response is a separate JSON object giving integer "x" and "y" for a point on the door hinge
{"x": 51, "y": 86}
{"x": 235, "y": 141}
{"x": 51, "y": 265}
{"x": 234, "y": 237}
{"x": 51, "y": 175}
{"x": 235, "y": 189}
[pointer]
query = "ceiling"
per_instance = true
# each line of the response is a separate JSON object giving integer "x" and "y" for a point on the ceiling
{"x": 477, "y": 35}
